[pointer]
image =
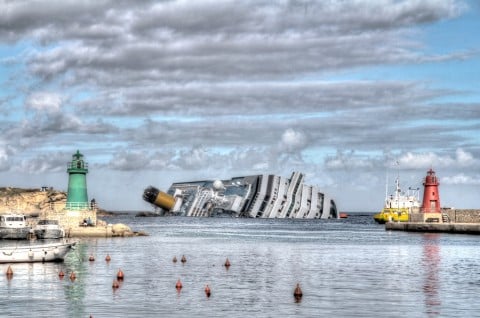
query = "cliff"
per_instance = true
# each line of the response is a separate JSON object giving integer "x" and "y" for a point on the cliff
{"x": 31, "y": 201}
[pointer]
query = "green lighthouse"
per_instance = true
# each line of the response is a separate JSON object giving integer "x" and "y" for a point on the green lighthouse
{"x": 77, "y": 198}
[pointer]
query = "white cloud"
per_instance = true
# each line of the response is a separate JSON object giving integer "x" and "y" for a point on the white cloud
{"x": 293, "y": 141}
{"x": 461, "y": 179}
{"x": 349, "y": 160}
{"x": 44, "y": 101}
{"x": 461, "y": 158}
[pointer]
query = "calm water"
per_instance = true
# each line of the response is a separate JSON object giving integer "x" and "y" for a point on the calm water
{"x": 346, "y": 268}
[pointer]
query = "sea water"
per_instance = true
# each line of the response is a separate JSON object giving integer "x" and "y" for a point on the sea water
{"x": 346, "y": 268}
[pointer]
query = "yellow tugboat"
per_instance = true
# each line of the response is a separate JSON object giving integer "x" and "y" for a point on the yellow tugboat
{"x": 398, "y": 206}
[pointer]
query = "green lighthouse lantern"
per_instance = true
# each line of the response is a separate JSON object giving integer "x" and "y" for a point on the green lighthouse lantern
{"x": 77, "y": 169}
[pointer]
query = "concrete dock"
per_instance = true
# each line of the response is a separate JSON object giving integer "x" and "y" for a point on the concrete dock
{"x": 115, "y": 230}
{"x": 460, "y": 228}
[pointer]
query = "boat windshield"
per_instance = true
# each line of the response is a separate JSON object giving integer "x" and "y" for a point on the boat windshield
{"x": 15, "y": 219}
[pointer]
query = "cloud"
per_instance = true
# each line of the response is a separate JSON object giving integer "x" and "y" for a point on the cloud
{"x": 44, "y": 101}
{"x": 293, "y": 141}
{"x": 222, "y": 88}
{"x": 430, "y": 159}
{"x": 350, "y": 160}
{"x": 5, "y": 154}
{"x": 461, "y": 179}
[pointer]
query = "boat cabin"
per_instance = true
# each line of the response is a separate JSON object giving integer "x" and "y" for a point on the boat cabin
{"x": 13, "y": 220}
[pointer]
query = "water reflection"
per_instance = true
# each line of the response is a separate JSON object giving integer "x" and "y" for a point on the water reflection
{"x": 75, "y": 288}
{"x": 430, "y": 265}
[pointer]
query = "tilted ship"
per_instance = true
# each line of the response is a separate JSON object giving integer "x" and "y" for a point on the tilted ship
{"x": 257, "y": 196}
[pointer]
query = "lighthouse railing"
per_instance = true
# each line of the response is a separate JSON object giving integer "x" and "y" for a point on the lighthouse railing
{"x": 80, "y": 206}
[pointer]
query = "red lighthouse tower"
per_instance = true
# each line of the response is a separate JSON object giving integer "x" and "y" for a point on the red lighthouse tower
{"x": 431, "y": 197}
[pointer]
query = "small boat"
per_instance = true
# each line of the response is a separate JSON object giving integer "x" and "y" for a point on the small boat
{"x": 48, "y": 229}
{"x": 398, "y": 206}
{"x": 14, "y": 227}
{"x": 53, "y": 252}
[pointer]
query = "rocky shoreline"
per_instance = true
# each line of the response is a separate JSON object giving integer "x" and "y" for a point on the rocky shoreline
{"x": 50, "y": 204}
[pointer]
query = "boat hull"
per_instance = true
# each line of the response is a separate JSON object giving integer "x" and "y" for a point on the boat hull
{"x": 391, "y": 216}
{"x": 14, "y": 233}
{"x": 54, "y": 252}
{"x": 49, "y": 234}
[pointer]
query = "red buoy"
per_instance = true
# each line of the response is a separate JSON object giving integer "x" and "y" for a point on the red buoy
{"x": 72, "y": 276}
{"x": 298, "y": 292}
{"x": 184, "y": 259}
{"x": 107, "y": 258}
{"x": 178, "y": 285}
{"x": 207, "y": 291}
{"x": 61, "y": 274}
{"x": 174, "y": 259}
{"x": 115, "y": 284}
{"x": 91, "y": 258}
{"x": 9, "y": 272}
{"x": 227, "y": 263}
{"x": 120, "y": 274}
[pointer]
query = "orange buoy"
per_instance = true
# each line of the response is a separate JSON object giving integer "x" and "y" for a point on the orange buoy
{"x": 120, "y": 274}
{"x": 91, "y": 258}
{"x": 115, "y": 284}
{"x": 108, "y": 258}
{"x": 227, "y": 263}
{"x": 183, "y": 260}
{"x": 178, "y": 285}
{"x": 174, "y": 259}
{"x": 298, "y": 292}
{"x": 207, "y": 291}
{"x": 61, "y": 274}
{"x": 72, "y": 276}
{"x": 9, "y": 271}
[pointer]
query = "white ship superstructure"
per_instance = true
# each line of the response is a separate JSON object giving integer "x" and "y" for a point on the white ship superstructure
{"x": 257, "y": 196}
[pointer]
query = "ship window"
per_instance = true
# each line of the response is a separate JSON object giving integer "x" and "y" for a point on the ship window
{"x": 433, "y": 193}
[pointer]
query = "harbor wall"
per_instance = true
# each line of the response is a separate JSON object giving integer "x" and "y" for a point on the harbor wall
{"x": 460, "y": 228}
{"x": 463, "y": 215}
{"x": 454, "y": 216}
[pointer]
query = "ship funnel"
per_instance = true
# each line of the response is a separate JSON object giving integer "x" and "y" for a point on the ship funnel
{"x": 158, "y": 198}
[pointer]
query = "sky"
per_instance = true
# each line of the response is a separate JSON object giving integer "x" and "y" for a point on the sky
{"x": 352, "y": 93}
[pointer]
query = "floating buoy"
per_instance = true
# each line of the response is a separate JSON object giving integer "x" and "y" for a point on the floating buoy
{"x": 61, "y": 274}
{"x": 108, "y": 258}
{"x": 227, "y": 263}
{"x": 72, "y": 276}
{"x": 91, "y": 258}
{"x": 207, "y": 291}
{"x": 9, "y": 272}
{"x": 115, "y": 284}
{"x": 183, "y": 260}
{"x": 120, "y": 274}
{"x": 298, "y": 293}
{"x": 178, "y": 285}
{"x": 174, "y": 259}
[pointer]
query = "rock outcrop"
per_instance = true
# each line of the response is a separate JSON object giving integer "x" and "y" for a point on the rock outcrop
{"x": 31, "y": 201}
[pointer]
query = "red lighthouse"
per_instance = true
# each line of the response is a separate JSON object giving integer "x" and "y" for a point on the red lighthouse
{"x": 431, "y": 197}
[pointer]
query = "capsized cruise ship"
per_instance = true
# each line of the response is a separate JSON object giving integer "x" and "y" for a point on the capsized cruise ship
{"x": 257, "y": 196}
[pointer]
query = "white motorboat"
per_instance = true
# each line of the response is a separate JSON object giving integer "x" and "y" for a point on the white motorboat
{"x": 14, "y": 227}
{"x": 53, "y": 252}
{"x": 48, "y": 229}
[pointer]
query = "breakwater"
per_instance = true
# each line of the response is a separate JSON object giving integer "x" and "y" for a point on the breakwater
{"x": 460, "y": 228}
{"x": 462, "y": 221}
